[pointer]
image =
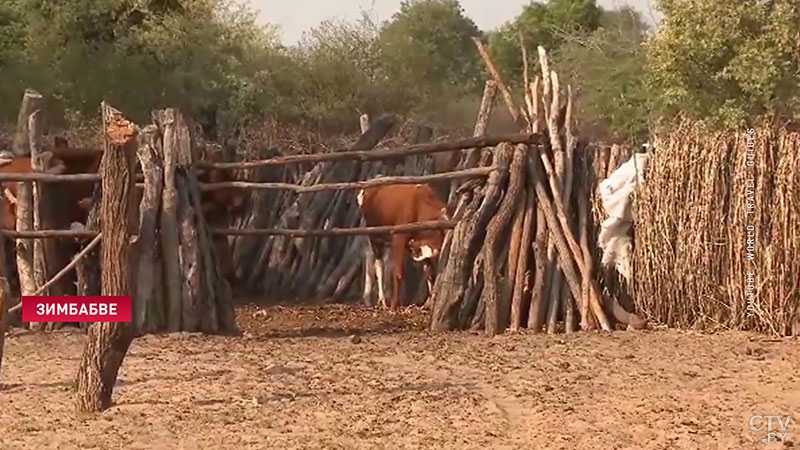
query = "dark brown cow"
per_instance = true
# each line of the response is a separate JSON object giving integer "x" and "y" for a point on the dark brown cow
{"x": 218, "y": 205}
{"x": 65, "y": 208}
{"x": 402, "y": 204}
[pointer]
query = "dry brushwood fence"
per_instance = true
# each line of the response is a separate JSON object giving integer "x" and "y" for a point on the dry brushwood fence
{"x": 691, "y": 265}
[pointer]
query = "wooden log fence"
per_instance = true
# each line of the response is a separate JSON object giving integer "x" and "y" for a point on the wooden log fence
{"x": 517, "y": 205}
{"x": 518, "y": 232}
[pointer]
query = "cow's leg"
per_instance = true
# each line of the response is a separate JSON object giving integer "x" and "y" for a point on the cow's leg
{"x": 377, "y": 251}
{"x": 379, "y": 280}
{"x": 399, "y": 244}
{"x": 429, "y": 276}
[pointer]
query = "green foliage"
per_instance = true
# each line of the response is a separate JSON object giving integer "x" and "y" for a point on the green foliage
{"x": 139, "y": 55}
{"x": 428, "y": 52}
{"x": 607, "y": 70}
{"x": 742, "y": 64}
{"x": 548, "y": 24}
{"x": 340, "y": 71}
{"x": 209, "y": 57}
{"x": 421, "y": 62}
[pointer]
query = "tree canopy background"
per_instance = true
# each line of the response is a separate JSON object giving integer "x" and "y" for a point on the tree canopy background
{"x": 724, "y": 61}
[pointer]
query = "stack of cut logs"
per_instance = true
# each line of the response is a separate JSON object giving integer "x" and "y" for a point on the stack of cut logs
{"x": 537, "y": 225}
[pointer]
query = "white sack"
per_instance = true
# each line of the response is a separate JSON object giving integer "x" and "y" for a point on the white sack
{"x": 615, "y": 193}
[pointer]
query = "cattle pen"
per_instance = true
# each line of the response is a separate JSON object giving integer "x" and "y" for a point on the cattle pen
{"x": 512, "y": 241}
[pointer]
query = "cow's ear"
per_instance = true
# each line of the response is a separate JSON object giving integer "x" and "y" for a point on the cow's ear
{"x": 60, "y": 143}
{"x": 213, "y": 155}
{"x": 238, "y": 200}
{"x": 85, "y": 203}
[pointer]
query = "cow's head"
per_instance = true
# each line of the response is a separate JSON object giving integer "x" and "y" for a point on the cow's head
{"x": 52, "y": 164}
{"x": 426, "y": 245}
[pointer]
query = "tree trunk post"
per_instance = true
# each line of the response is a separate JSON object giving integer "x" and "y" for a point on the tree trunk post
{"x": 147, "y": 289}
{"x": 24, "y": 248}
{"x": 108, "y": 342}
{"x": 45, "y": 251}
{"x": 494, "y": 231}
{"x": 5, "y": 299}
{"x": 88, "y": 268}
{"x": 169, "y": 223}
{"x": 369, "y": 256}
{"x": 31, "y": 101}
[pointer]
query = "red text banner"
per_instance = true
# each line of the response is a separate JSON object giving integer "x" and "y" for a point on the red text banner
{"x": 101, "y": 308}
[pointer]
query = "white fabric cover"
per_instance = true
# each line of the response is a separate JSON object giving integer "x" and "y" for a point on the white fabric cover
{"x": 615, "y": 193}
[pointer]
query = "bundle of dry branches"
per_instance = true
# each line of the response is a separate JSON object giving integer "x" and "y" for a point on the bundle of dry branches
{"x": 530, "y": 210}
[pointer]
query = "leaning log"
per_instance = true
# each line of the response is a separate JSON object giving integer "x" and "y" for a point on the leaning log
{"x": 468, "y": 161}
{"x": 569, "y": 155}
{"x": 108, "y": 342}
{"x": 88, "y": 268}
{"x": 555, "y": 273}
{"x": 522, "y": 273}
{"x": 197, "y": 296}
{"x": 516, "y": 113}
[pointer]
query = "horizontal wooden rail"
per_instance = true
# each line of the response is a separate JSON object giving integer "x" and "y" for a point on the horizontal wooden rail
{"x": 363, "y": 231}
{"x": 56, "y": 178}
{"x": 380, "y": 181}
{"x": 374, "y": 155}
{"x": 48, "y": 234}
{"x": 49, "y": 177}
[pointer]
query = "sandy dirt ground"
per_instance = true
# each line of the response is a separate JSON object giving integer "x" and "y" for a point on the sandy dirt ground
{"x": 297, "y": 379}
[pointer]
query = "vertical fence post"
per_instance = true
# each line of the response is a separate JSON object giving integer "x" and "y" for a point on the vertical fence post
{"x": 108, "y": 342}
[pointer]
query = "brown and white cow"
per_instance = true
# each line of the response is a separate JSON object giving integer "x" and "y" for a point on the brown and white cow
{"x": 401, "y": 204}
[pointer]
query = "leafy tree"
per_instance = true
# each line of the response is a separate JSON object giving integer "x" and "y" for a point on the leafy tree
{"x": 728, "y": 61}
{"x": 427, "y": 50}
{"x": 139, "y": 55}
{"x": 548, "y": 24}
{"x": 607, "y": 70}
{"x": 340, "y": 71}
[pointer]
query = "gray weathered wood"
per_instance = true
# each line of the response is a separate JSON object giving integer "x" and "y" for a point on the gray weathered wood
{"x": 147, "y": 291}
{"x": 495, "y": 232}
{"x": 167, "y": 122}
{"x": 31, "y": 101}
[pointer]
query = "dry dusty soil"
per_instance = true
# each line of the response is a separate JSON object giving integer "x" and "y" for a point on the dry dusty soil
{"x": 298, "y": 380}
